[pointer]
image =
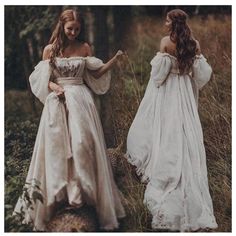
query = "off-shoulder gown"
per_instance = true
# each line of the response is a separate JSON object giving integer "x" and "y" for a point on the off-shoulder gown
{"x": 69, "y": 158}
{"x": 165, "y": 143}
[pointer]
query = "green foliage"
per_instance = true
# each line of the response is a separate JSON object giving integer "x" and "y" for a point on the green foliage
{"x": 13, "y": 223}
{"x": 21, "y": 126}
{"x": 19, "y": 142}
{"x": 39, "y": 19}
{"x": 31, "y": 193}
{"x": 27, "y": 31}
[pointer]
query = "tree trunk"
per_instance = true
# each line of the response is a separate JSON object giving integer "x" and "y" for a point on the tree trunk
{"x": 121, "y": 19}
{"x": 101, "y": 44}
{"x": 101, "y": 32}
{"x": 27, "y": 65}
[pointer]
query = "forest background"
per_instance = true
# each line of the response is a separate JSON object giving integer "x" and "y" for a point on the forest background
{"x": 136, "y": 30}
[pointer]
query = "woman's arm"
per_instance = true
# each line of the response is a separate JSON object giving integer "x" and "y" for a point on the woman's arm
{"x": 102, "y": 70}
{"x": 53, "y": 86}
{"x": 198, "y": 48}
{"x": 57, "y": 89}
{"x": 163, "y": 44}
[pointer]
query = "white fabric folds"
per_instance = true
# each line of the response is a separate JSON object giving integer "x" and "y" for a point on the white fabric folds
{"x": 160, "y": 68}
{"x": 69, "y": 158}
{"x": 39, "y": 79}
{"x": 98, "y": 86}
{"x": 165, "y": 143}
{"x": 201, "y": 71}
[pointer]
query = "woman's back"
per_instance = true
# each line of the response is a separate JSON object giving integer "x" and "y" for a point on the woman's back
{"x": 168, "y": 46}
{"x": 165, "y": 140}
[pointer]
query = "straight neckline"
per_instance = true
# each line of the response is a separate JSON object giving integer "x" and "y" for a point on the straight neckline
{"x": 74, "y": 57}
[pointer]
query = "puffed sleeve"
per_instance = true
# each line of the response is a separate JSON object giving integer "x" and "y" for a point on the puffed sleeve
{"x": 201, "y": 71}
{"x": 100, "y": 85}
{"x": 161, "y": 65}
{"x": 39, "y": 79}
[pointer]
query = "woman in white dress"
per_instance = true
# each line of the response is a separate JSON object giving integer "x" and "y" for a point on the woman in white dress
{"x": 69, "y": 160}
{"x": 165, "y": 140}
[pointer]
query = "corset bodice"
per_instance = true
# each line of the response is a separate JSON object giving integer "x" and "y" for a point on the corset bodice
{"x": 69, "y": 67}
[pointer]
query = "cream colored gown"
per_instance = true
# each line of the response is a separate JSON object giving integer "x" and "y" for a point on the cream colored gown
{"x": 165, "y": 143}
{"x": 69, "y": 158}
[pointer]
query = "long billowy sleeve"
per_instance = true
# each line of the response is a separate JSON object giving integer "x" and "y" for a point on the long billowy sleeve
{"x": 161, "y": 65}
{"x": 100, "y": 85}
{"x": 39, "y": 79}
{"x": 201, "y": 71}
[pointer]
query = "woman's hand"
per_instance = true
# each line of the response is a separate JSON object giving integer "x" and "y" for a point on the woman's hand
{"x": 98, "y": 73}
{"x": 119, "y": 54}
{"x": 59, "y": 92}
{"x": 56, "y": 89}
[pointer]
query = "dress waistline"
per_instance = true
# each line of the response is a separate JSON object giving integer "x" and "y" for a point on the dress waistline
{"x": 69, "y": 80}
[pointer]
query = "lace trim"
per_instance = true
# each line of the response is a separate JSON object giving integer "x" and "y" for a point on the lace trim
{"x": 139, "y": 169}
{"x": 160, "y": 219}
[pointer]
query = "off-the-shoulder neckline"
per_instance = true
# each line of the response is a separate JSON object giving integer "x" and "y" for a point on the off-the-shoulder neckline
{"x": 74, "y": 57}
{"x": 168, "y": 54}
{"x": 68, "y": 58}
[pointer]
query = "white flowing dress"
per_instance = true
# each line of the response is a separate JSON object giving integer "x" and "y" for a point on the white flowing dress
{"x": 69, "y": 158}
{"x": 165, "y": 143}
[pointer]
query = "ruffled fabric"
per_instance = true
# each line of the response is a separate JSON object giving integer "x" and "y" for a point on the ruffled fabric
{"x": 165, "y": 143}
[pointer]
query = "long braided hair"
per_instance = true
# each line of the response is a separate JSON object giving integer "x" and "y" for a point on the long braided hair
{"x": 58, "y": 38}
{"x": 181, "y": 35}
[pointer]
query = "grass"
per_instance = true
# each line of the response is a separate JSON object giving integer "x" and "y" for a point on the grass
{"x": 130, "y": 78}
{"x": 214, "y": 35}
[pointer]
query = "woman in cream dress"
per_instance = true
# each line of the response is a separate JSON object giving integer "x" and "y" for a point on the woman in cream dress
{"x": 69, "y": 159}
{"x": 165, "y": 140}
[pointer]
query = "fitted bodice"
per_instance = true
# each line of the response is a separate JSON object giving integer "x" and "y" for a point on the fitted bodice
{"x": 69, "y": 67}
{"x": 174, "y": 66}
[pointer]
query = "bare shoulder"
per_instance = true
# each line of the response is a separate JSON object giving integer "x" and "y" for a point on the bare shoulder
{"x": 87, "y": 49}
{"x": 165, "y": 44}
{"x": 198, "y": 48}
{"x": 46, "y": 51}
{"x": 165, "y": 39}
